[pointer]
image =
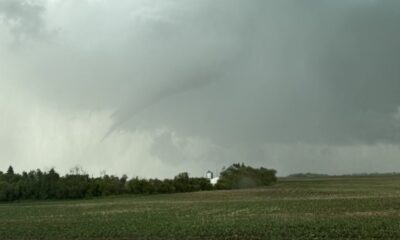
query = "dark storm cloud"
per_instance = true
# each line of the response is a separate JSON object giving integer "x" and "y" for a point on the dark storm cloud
{"x": 329, "y": 73}
{"x": 282, "y": 71}
{"x": 238, "y": 74}
{"x": 23, "y": 17}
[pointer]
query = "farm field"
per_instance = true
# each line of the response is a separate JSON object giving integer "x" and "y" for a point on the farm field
{"x": 320, "y": 208}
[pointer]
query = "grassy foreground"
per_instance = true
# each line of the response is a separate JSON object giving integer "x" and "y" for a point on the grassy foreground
{"x": 334, "y": 208}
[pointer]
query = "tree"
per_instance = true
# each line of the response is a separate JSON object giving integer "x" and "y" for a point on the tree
{"x": 6, "y": 191}
{"x": 241, "y": 176}
{"x": 181, "y": 182}
{"x": 10, "y": 171}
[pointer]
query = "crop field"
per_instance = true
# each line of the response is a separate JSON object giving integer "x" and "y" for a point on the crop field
{"x": 325, "y": 208}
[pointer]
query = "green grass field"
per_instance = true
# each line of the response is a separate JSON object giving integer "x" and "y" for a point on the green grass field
{"x": 334, "y": 208}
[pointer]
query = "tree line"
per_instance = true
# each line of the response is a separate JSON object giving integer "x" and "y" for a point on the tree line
{"x": 42, "y": 185}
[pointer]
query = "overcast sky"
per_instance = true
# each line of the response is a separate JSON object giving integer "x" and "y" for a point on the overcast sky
{"x": 152, "y": 88}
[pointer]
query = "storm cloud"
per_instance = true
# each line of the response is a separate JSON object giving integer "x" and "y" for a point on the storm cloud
{"x": 194, "y": 85}
{"x": 23, "y": 18}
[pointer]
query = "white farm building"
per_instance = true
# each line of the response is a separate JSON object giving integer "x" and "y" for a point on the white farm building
{"x": 210, "y": 176}
{"x": 214, "y": 181}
